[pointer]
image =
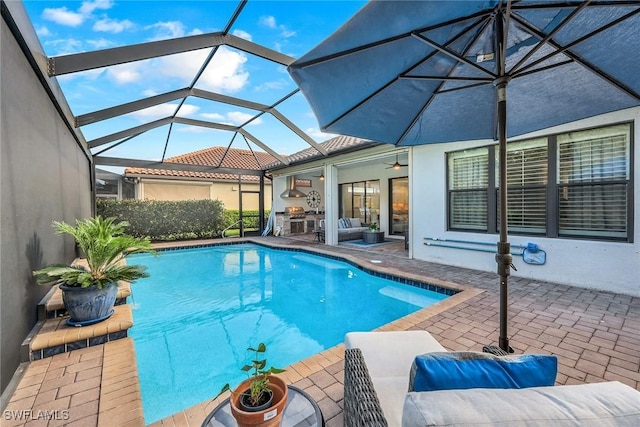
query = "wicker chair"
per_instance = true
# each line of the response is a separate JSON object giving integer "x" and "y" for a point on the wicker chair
{"x": 361, "y": 405}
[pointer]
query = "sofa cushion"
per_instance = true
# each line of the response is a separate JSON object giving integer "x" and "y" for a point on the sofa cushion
{"x": 467, "y": 369}
{"x": 355, "y": 222}
{"x": 388, "y": 356}
{"x": 598, "y": 404}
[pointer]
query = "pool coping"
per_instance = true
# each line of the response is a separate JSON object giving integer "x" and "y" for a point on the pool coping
{"x": 316, "y": 363}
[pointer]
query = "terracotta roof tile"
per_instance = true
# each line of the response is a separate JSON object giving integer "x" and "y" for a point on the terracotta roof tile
{"x": 333, "y": 146}
{"x": 233, "y": 159}
{"x": 246, "y": 159}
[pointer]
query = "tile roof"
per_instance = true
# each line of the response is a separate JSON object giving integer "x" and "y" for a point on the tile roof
{"x": 234, "y": 159}
{"x": 246, "y": 159}
{"x": 334, "y": 145}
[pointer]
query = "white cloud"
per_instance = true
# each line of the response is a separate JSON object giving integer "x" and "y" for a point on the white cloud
{"x": 242, "y": 34}
{"x": 239, "y": 118}
{"x": 125, "y": 73}
{"x": 63, "y": 16}
{"x": 163, "y": 110}
{"x": 233, "y": 118}
{"x": 276, "y": 85}
{"x": 188, "y": 110}
{"x": 214, "y": 116}
{"x": 89, "y": 6}
{"x": 286, "y": 33}
{"x": 225, "y": 73}
{"x": 267, "y": 21}
{"x": 64, "y": 46}
{"x": 149, "y": 92}
{"x": 100, "y": 43}
{"x": 166, "y": 30}
{"x": 88, "y": 74}
{"x": 318, "y": 134}
{"x": 43, "y": 31}
{"x": 108, "y": 25}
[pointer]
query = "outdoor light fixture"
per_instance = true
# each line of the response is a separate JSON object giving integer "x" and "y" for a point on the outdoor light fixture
{"x": 321, "y": 177}
{"x": 397, "y": 165}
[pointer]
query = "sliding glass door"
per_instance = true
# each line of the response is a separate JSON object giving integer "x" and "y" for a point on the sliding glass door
{"x": 399, "y": 205}
{"x": 360, "y": 200}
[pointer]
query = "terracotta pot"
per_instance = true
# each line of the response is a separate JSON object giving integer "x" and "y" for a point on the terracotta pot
{"x": 270, "y": 417}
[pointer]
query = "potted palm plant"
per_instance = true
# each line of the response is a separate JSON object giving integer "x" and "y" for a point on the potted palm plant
{"x": 89, "y": 288}
{"x": 260, "y": 399}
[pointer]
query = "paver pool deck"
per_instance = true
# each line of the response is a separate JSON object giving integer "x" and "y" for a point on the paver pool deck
{"x": 595, "y": 334}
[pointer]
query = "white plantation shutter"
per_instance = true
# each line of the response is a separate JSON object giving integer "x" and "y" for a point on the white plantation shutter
{"x": 593, "y": 181}
{"x": 527, "y": 168}
{"x": 581, "y": 188}
{"x": 468, "y": 180}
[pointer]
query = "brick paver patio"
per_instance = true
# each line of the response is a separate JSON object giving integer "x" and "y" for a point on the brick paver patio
{"x": 596, "y": 336}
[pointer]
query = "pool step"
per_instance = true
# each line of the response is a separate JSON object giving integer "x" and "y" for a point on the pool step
{"x": 51, "y": 335}
{"x": 54, "y": 336}
{"x": 51, "y": 305}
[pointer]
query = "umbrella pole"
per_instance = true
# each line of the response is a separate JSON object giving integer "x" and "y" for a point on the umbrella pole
{"x": 503, "y": 256}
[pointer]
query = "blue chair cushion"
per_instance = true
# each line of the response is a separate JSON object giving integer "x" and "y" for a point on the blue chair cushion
{"x": 462, "y": 370}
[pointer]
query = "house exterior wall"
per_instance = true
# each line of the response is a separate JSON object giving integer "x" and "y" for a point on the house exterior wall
{"x": 45, "y": 176}
{"x": 613, "y": 266}
{"x": 226, "y": 192}
{"x": 280, "y": 184}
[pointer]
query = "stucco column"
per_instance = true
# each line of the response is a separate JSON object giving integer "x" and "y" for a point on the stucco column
{"x": 331, "y": 204}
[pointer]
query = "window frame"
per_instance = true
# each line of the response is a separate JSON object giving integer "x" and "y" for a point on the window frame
{"x": 553, "y": 187}
{"x": 367, "y": 214}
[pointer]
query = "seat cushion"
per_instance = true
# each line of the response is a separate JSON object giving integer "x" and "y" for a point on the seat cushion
{"x": 584, "y": 405}
{"x": 390, "y": 354}
{"x": 468, "y": 369}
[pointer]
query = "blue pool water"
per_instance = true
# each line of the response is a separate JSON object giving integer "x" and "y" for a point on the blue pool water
{"x": 200, "y": 309}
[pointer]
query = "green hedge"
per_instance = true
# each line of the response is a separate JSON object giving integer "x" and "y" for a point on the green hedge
{"x": 165, "y": 220}
{"x": 180, "y": 220}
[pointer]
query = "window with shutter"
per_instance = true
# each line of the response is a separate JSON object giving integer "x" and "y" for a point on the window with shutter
{"x": 581, "y": 188}
{"x": 593, "y": 181}
{"x": 468, "y": 181}
{"x": 527, "y": 186}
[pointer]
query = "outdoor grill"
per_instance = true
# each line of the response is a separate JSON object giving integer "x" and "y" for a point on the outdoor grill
{"x": 294, "y": 217}
{"x": 294, "y": 212}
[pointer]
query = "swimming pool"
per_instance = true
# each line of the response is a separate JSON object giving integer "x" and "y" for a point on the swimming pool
{"x": 200, "y": 309}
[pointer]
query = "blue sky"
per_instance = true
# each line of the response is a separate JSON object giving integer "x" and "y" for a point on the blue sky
{"x": 290, "y": 27}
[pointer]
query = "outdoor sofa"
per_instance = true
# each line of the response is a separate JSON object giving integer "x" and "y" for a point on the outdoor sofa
{"x": 348, "y": 228}
{"x": 379, "y": 367}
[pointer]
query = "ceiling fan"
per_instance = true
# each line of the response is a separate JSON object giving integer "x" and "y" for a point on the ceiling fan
{"x": 397, "y": 165}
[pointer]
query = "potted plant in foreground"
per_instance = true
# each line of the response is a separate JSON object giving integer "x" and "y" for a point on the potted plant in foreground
{"x": 260, "y": 399}
{"x": 89, "y": 291}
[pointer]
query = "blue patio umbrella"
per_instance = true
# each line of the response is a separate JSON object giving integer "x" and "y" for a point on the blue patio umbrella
{"x": 423, "y": 72}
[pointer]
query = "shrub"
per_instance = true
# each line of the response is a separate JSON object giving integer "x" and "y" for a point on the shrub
{"x": 177, "y": 220}
{"x": 167, "y": 220}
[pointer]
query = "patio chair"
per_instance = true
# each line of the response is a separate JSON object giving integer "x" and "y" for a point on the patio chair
{"x": 381, "y": 366}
